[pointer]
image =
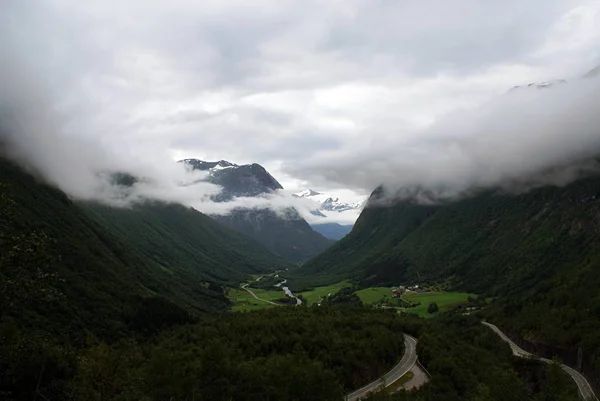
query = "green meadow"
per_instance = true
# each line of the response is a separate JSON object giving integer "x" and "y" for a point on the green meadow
{"x": 243, "y": 301}
{"x": 318, "y": 293}
{"x": 375, "y": 294}
{"x": 444, "y": 300}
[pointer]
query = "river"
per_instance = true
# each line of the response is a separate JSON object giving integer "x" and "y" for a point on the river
{"x": 288, "y": 292}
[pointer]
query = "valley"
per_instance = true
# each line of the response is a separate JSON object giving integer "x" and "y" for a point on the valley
{"x": 299, "y": 201}
{"x": 185, "y": 278}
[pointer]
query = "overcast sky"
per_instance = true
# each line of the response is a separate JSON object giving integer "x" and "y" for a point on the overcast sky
{"x": 324, "y": 94}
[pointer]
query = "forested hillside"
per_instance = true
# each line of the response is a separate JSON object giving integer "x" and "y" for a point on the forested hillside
{"x": 537, "y": 251}
{"x": 106, "y": 262}
{"x": 183, "y": 240}
{"x": 468, "y": 362}
{"x": 289, "y": 236}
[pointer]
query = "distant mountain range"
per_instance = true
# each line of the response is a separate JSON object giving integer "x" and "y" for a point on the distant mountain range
{"x": 328, "y": 206}
{"x": 329, "y": 202}
{"x": 334, "y": 231}
{"x": 283, "y": 232}
{"x": 548, "y": 84}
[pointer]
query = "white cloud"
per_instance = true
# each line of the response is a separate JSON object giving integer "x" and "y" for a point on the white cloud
{"x": 340, "y": 94}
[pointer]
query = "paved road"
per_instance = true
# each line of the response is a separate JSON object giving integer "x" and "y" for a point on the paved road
{"x": 245, "y": 287}
{"x": 585, "y": 390}
{"x": 408, "y": 361}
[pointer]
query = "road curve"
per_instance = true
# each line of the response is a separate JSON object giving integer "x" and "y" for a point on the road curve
{"x": 585, "y": 390}
{"x": 245, "y": 287}
{"x": 408, "y": 361}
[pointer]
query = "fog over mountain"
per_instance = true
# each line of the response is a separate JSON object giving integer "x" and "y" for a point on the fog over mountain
{"x": 90, "y": 89}
{"x": 525, "y": 138}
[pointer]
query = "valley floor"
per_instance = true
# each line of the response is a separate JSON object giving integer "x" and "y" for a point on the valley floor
{"x": 270, "y": 296}
{"x": 444, "y": 300}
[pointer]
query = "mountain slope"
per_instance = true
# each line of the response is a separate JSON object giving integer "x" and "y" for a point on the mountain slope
{"x": 538, "y": 252}
{"x": 182, "y": 239}
{"x": 247, "y": 180}
{"x": 284, "y": 233}
{"x": 289, "y": 236}
{"x": 334, "y": 231}
{"x": 490, "y": 242}
{"x": 111, "y": 260}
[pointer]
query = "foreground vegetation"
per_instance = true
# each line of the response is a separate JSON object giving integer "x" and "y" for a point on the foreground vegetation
{"x": 291, "y": 353}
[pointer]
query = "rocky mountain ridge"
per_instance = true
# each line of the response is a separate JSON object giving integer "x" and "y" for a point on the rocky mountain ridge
{"x": 283, "y": 231}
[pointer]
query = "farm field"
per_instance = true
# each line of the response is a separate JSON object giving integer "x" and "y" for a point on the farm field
{"x": 444, "y": 300}
{"x": 315, "y": 295}
{"x": 243, "y": 301}
{"x": 374, "y": 294}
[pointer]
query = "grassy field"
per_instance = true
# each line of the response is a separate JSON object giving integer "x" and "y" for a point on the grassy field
{"x": 374, "y": 294}
{"x": 318, "y": 293}
{"x": 444, "y": 300}
{"x": 243, "y": 301}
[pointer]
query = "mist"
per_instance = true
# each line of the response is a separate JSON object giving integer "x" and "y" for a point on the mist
{"x": 35, "y": 135}
{"x": 525, "y": 138}
{"x": 88, "y": 90}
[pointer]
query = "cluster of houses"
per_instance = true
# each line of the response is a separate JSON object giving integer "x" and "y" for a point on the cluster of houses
{"x": 400, "y": 290}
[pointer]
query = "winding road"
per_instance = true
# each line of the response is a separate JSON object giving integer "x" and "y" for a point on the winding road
{"x": 408, "y": 361}
{"x": 245, "y": 287}
{"x": 585, "y": 390}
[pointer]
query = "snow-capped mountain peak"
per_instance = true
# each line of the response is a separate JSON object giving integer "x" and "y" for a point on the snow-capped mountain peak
{"x": 208, "y": 166}
{"x": 307, "y": 193}
{"x": 329, "y": 202}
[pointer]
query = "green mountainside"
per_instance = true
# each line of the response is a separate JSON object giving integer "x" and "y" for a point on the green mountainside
{"x": 494, "y": 242}
{"x": 182, "y": 240}
{"x": 110, "y": 261}
{"x": 538, "y": 252}
{"x": 291, "y": 236}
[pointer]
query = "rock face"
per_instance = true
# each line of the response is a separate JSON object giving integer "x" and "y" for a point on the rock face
{"x": 283, "y": 232}
{"x": 247, "y": 180}
{"x": 541, "y": 85}
{"x": 593, "y": 73}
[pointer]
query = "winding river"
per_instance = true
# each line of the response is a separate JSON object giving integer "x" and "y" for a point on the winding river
{"x": 288, "y": 292}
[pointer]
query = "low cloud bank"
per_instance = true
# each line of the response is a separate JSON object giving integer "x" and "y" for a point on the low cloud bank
{"x": 528, "y": 137}
{"x": 34, "y": 134}
{"x": 525, "y": 138}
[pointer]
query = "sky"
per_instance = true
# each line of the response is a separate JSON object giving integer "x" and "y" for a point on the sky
{"x": 338, "y": 96}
